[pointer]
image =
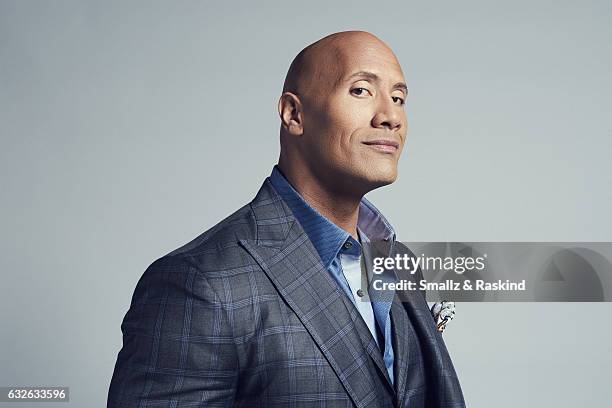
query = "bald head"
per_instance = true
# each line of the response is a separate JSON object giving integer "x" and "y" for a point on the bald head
{"x": 342, "y": 114}
{"x": 320, "y": 64}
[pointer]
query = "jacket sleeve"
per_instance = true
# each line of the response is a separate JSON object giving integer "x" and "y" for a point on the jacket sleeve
{"x": 178, "y": 345}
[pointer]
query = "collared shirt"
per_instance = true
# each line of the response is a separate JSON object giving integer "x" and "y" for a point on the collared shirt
{"x": 341, "y": 255}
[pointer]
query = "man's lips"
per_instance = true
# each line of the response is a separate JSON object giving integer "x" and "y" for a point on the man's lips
{"x": 383, "y": 145}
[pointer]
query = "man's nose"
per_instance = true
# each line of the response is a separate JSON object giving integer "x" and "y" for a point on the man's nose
{"x": 388, "y": 115}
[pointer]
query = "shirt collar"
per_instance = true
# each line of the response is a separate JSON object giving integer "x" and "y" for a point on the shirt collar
{"x": 327, "y": 238}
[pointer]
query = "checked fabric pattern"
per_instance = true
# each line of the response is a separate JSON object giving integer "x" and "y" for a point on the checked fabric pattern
{"x": 245, "y": 315}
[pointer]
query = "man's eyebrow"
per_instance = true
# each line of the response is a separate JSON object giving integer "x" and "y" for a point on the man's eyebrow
{"x": 375, "y": 78}
{"x": 365, "y": 74}
{"x": 402, "y": 86}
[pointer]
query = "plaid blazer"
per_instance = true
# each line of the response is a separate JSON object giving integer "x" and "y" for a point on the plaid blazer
{"x": 246, "y": 315}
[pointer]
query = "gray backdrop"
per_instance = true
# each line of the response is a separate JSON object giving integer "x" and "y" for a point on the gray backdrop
{"x": 109, "y": 111}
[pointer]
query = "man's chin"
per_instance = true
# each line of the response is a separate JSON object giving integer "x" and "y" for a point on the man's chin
{"x": 379, "y": 178}
{"x": 363, "y": 179}
{"x": 384, "y": 173}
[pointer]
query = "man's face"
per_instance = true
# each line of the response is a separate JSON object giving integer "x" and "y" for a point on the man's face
{"x": 354, "y": 119}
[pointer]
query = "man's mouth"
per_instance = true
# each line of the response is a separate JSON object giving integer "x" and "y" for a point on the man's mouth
{"x": 383, "y": 145}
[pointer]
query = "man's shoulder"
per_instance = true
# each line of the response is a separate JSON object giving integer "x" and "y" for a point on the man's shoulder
{"x": 236, "y": 226}
{"x": 218, "y": 248}
{"x": 220, "y": 252}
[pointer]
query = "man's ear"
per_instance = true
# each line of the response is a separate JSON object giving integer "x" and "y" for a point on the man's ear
{"x": 291, "y": 114}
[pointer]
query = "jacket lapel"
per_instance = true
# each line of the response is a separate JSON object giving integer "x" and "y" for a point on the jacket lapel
{"x": 421, "y": 361}
{"x": 443, "y": 388}
{"x": 291, "y": 262}
{"x": 286, "y": 255}
{"x": 400, "y": 348}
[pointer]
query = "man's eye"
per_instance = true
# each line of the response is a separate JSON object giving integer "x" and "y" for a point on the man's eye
{"x": 397, "y": 99}
{"x": 359, "y": 91}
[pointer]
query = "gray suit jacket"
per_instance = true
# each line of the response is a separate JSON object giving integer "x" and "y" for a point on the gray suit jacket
{"x": 247, "y": 315}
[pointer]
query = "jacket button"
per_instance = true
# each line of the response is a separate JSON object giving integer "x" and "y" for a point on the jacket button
{"x": 360, "y": 293}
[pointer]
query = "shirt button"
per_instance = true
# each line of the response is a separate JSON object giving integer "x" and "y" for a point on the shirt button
{"x": 359, "y": 292}
{"x": 347, "y": 245}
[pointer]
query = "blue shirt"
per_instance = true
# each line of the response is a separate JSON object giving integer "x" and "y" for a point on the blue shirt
{"x": 336, "y": 247}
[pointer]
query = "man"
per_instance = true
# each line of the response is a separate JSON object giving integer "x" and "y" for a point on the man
{"x": 263, "y": 309}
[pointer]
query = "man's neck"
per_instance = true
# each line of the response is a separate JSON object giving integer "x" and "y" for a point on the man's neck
{"x": 341, "y": 209}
